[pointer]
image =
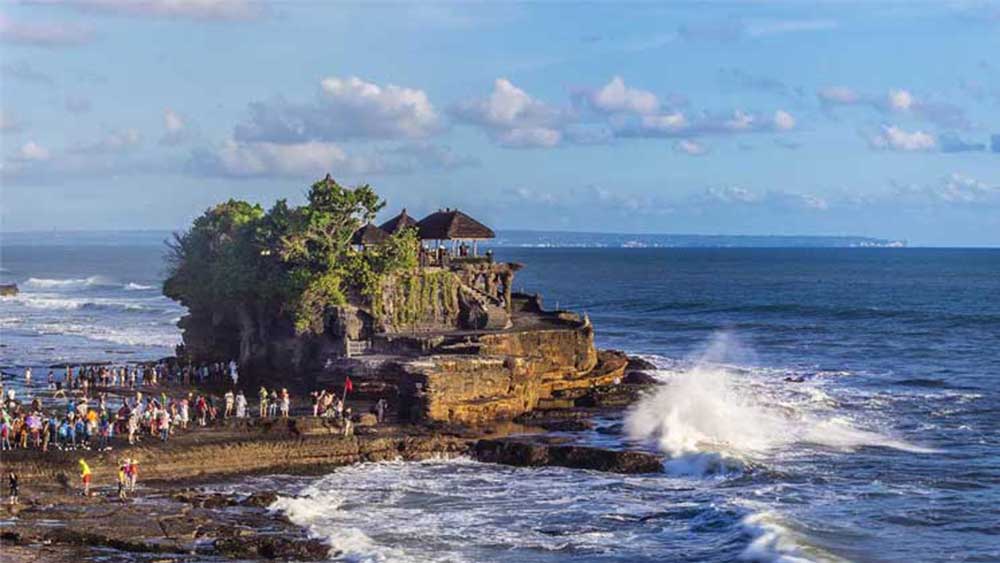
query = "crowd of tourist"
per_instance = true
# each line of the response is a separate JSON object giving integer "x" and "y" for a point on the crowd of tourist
{"x": 79, "y": 415}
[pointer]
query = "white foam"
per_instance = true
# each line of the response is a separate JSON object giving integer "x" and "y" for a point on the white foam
{"x": 71, "y": 283}
{"x": 773, "y": 542}
{"x": 713, "y": 408}
{"x": 132, "y": 286}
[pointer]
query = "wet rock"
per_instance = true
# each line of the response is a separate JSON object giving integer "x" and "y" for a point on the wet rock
{"x": 8, "y": 290}
{"x": 533, "y": 454}
{"x": 261, "y": 499}
{"x": 271, "y": 547}
{"x": 640, "y": 378}
{"x": 367, "y": 419}
{"x": 613, "y": 396}
{"x": 639, "y": 364}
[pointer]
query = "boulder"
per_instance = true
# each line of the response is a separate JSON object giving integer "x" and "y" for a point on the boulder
{"x": 639, "y": 364}
{"x": 8, "y": 290}
{"x": 533, "y": 454}
{"x": 640, "y": 378}
{"x": 271, "y": 547}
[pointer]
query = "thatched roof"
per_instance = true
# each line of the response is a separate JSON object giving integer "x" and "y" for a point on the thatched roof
{"x": 452, "y": 224}
{"x": 398, "y": 223}
{"x": 368, "y": 235}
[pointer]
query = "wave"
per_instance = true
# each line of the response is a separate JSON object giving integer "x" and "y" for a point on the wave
{"x": 57, "y": 302}
{"x": 774, "y": 542}
{"x": 71, "y": 283}
{"x": 131, "y": 336}
{"x": 132, "y": 286}
{"x": 711, "y": 418}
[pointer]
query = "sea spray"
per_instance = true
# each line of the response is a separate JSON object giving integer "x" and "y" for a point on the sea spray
{"x": 712, "y": 417}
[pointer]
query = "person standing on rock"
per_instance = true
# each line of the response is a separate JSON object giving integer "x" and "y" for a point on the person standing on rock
{"x": 380, "y": 407}
{"x": 122, "y": 480}
{"x": 262, "y": 395}
{"x": 27, "y": 377}
{"x": 12, "y": 488}
{"x": 286, "y": 403}
{"x": 132, "y": 474}
{"x": 85, "y": 477}
{"x": 241, "y": 405}
{"x": 230, "y": 400}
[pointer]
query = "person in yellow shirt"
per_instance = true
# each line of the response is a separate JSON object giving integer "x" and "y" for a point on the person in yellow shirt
{"x": 85, "y": 477}
{"x": 122, "y": 481}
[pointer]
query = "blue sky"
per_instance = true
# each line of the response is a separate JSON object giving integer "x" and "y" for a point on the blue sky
{"x": 860, "y": 118}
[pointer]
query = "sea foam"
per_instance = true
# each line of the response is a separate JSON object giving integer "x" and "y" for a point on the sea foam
{"x": 710, "y": 417}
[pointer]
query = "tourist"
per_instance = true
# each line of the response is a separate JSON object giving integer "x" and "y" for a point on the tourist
{"x": 27, "y": 377}
{"x": 347, "y": 422}
{"x": 262, "y": 395}
{"x": 164, "y": 424}
{"x": 272, "y": 404}
{"x": 241, "y": 405}
{"x": 285, "y": 403}
{"x": 132, "y": 474}
{"x": 85, "y": 477}
{"x": 185, "y": 411}
{"x": 380, "y": 407}
{"x": 230, "y": 401}
{"x": 133, "y": 427}
{"x": 122, "y": 480}
{"x": 201, "y": 409}
{"x": 12, "y": 488}
{"x": 233, "y": 372}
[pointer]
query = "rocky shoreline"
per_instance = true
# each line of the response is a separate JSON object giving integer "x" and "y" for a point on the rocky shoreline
{"x": 179, "y": 515}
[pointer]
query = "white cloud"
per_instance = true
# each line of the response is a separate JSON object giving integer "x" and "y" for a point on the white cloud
{"x": 901, "y": 100}
{"x": 892, "y": 137}
{"x": 223, "y": 10}
{"x": 172, "y": 122}
{"x": 736, "y": 195}
{"x": 670, "y": 122}
{"x": 690, "y": 147}
{"x": 175, "y": 128}
{"x": 314, "y": 158}
{"x": 513, "y": 118}
{"x": 393, "y": 109}
{"x": 839, "y": 95}
{"x": 783, "y": 121}
{"x": 959, "y": 188}
{"x": 43, "y": 34}
{"x": 524, "y": 137}
{"x": 348, "y": 108}
{"x": 272, "y": 159}
{"x": 740, "y": 121}
{"x": 615, "y": 96}
{"x": 115, "y": 141}
{"x": 32, "y": 151}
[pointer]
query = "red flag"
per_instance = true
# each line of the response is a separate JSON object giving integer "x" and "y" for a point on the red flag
{"x": 348, "y": 386}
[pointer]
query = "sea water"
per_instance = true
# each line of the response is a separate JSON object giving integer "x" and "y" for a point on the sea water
{"x": 814, "y": 405}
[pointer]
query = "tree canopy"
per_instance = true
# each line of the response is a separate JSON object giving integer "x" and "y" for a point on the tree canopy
{"x": 295, "y": 261}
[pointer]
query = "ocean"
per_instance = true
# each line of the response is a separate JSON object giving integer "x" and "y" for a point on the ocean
{"x": 821, "y": 404}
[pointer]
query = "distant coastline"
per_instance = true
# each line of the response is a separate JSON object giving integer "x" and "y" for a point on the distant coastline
{"x": 509, "y": 238}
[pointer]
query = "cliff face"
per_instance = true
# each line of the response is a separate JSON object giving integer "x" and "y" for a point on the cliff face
{"x": 513, "y": 373}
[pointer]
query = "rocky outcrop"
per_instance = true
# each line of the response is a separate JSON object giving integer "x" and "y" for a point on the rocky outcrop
{"x": 477, "y": 389}
{"x": 527, "y": 453}
{"x": 8, "y": 290}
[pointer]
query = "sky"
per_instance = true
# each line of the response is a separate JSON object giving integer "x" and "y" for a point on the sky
{"x": 785, "y": 118}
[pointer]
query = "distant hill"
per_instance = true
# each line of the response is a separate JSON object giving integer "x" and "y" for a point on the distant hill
{"x": 567, "y": 239}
